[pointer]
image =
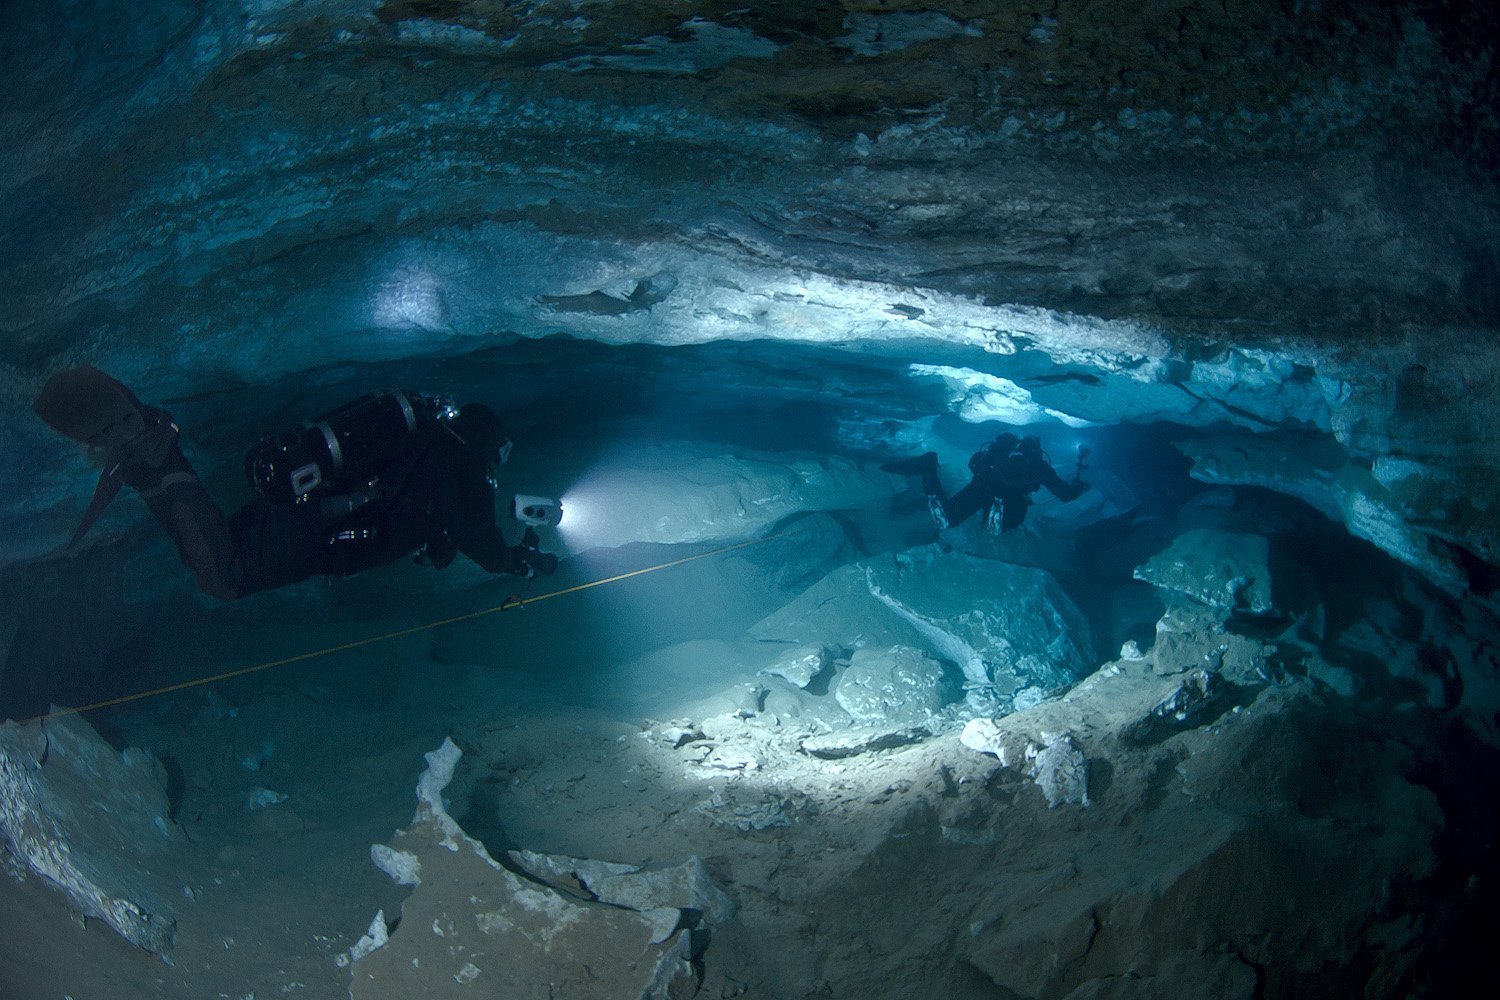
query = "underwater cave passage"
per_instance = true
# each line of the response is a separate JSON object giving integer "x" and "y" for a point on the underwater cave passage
{"x": 670, "y": 500}
{"x": 813, "y": 669}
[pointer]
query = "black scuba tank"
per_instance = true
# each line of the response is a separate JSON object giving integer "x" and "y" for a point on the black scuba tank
{"x": 991, "y": 456}
{"x": 344, "y": 448}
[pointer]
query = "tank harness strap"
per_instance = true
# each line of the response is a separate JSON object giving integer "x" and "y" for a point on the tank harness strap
{"x": 377, "y": 495}
{"x": 172, "y": 479}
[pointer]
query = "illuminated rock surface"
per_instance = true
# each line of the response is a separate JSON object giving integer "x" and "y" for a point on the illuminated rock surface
{"x": 1006, "y": 628}
{"x": 471, "y": 924}
{"x": 1221, "y": 569}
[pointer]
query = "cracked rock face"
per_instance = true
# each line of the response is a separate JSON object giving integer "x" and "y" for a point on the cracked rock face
{"x": 582, "y": 928}
{"x": 93, "y": 823}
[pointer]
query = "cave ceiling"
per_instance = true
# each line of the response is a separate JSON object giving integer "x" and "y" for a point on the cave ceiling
{"x": 1279, "y": 216}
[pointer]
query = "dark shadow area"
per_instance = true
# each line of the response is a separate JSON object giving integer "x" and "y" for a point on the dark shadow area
{"x": 479, "y": 815}
{"x": 1101, "y": 777}
{"x": 1461, "y": 899}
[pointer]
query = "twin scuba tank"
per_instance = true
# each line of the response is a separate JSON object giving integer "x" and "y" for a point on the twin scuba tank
{"x": 990, "y": 461}
{"x": 337, "y": 458}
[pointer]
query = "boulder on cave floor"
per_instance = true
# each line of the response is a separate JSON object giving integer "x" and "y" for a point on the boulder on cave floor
{"x": 1226, "y": 570}
{"x": 896, "y": 686}
{"x": 1192, "y": 636}
{"x": 800, "y": 665}
{"x": 1010, "y": 630}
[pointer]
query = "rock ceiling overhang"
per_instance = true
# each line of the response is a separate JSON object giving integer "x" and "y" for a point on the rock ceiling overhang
{"x": 1273, "y": 207}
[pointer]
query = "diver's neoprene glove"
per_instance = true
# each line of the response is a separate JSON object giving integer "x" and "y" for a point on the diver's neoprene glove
{"x": 533, "y": 561}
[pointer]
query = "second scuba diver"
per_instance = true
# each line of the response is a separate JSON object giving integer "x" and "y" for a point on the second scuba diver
{"x": 1006, "y": 472}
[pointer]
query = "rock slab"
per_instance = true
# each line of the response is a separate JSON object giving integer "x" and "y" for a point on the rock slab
{"x": 92, "y": 822}
{"x": 472, "y": 928}
{"x": 799, "y": 666}
{"x": 1007, "y": 628}
{"x": 1227, "y": 570}
{"x": 898, "y": 686}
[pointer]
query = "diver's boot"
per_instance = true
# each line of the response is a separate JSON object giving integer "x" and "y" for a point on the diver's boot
{"x": 938, "y": 510}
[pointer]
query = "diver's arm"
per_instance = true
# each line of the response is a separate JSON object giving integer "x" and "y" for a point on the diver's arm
{"x": 468, "y": 517}
{"x": 472, "y": 529}
{"x": 486, "y": 546}
{"x": 464, "y": 508}
{"x": 1064, "y": 491}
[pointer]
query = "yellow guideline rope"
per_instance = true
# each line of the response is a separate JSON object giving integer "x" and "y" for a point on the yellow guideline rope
{"x": 503, "y": 606}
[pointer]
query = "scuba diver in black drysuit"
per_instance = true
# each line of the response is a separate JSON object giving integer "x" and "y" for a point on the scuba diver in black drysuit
{"x": 430, "y": 493}
{"x": 1006, "y": 471}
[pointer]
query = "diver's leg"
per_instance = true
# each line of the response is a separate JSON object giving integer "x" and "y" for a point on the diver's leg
{"x": 137, "y": 445}
{"x": 962, "y": 505}
{"x": 278, "y": 544}
{"x": 1016, "y": 506}
{"x": 174, "y": 494}
{"x": 926, "y": 466}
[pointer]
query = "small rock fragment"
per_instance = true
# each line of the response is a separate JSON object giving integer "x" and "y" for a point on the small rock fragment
{"x": 1194, "y": 702}
{"x": 263, "y": 798}
{"x": 800, "y": 666}
{"x": 1062, "y": 772}
{"x": 376, "y": 937}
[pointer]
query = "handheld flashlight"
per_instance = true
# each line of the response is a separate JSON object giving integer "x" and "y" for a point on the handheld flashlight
{"x": 536, "y": 511}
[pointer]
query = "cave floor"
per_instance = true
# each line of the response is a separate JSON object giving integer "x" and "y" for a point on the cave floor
{"x": 1264, "y": 847}
{"x": 1241, "y": 849}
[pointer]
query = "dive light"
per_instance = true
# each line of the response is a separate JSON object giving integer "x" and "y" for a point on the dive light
{"x": 537, "y": 511}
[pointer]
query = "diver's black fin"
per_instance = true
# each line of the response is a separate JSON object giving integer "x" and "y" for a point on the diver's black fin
{"x": 81, "y": 402}
{"x": 920, "y": 466}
